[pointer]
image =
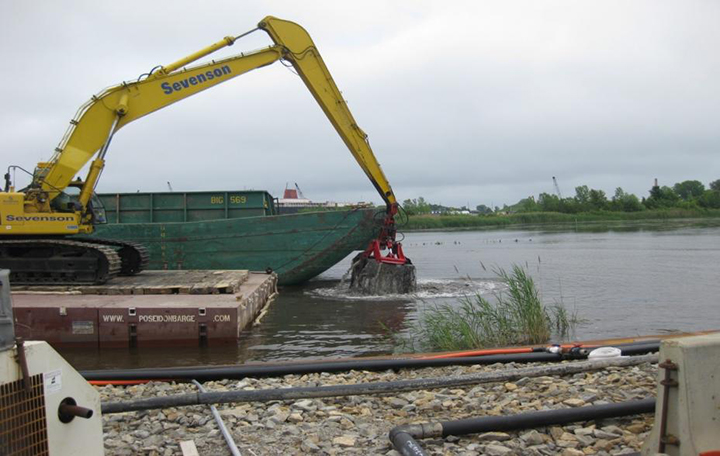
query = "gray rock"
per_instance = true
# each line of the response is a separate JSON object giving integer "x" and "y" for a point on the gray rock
{"x": 497, "y": 450}
{"x": 309, "y": 446}
{"x": 305, "y": 405}
{"x": 600, "y": 434}
{"x": 589, "y": 397}
{"x": 493, "y": 436}
{"x": 269, "y": 424}
{"x": 409, "y": 408}
{"x": 612, "y": 429}
{"x": 398, "y": 403}
{"x": 533, "y": 438}
{"x": 583, "y": 431}
{"x": 584, "y": 439}
{"x": 280, "y": 416}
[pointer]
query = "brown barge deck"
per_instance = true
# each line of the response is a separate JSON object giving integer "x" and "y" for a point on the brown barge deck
{"x": 151, "y": 309}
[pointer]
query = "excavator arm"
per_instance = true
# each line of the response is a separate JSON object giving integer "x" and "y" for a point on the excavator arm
{"x": 300, "y": 51}
{"x": 100, "y": 118}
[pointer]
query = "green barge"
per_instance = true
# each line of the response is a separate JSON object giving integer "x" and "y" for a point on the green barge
{"x": 236, "y": 230}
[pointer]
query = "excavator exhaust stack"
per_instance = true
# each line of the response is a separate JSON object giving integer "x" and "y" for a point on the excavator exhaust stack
{"x": 373, "y": 273}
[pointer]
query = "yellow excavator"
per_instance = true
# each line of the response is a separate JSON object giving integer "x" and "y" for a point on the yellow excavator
{"x": 37, "y": 220}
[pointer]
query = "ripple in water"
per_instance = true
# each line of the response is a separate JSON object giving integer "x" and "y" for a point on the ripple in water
{"x": 426, "y": 289}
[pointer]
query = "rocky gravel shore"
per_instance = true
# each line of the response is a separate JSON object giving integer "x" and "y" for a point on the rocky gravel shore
{"x": 360, "y": 424}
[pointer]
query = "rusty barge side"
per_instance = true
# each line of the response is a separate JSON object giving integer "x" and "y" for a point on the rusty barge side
{"x": 161, "y": 308}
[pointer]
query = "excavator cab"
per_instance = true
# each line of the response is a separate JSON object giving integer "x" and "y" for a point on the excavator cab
{"x": 97, "y": 210}
{"x": 67, "y": 201}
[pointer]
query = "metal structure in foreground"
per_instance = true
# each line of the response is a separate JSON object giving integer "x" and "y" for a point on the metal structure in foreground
{"x": 46, "y": 407}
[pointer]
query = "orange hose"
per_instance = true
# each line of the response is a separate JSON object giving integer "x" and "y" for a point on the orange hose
{"x": 493, "y": 351}
{"x": 499, "y": 351}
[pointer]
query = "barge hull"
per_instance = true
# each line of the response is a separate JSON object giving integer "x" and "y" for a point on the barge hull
{"x": 73, "y": 319}
{"x": 297, "y": 247}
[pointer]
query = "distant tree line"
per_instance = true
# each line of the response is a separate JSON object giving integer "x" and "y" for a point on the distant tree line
{"x": 689, "y": 194}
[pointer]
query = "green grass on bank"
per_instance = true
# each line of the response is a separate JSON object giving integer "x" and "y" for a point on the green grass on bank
{"x": 439, "y": 222}
{"x": 517, "y": 317}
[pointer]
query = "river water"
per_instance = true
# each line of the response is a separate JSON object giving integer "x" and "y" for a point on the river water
{"x": 623, "y": 280}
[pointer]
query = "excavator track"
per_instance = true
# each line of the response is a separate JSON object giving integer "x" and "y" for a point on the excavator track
{"x": 58, "y": 262}
{"x": 134, "y": 257}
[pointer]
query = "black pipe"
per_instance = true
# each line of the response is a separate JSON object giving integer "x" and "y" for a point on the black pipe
{"x": 404, "y": 442}
{"x": 403, "y": 437}
{"x": 65, "y": 411}
{"x": 280, "y": 394}
{"x": 545, "y": 417}
{"x": 237, "y": 372}
{"x": 639, "y": 349}
{"x": 243, "y": 371}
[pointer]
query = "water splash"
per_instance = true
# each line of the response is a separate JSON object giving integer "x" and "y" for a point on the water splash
{"x": 426, "y": 289}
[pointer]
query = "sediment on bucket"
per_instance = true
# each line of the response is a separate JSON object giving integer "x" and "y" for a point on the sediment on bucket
{"x": 371, "y": 277}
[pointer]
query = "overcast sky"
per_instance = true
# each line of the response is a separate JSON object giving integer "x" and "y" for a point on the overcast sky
{"x": 464, "y": 101}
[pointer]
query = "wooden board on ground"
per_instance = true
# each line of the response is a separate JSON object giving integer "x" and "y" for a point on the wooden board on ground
{"x": 155, "y": 282}
{"x": 188, "y": 448}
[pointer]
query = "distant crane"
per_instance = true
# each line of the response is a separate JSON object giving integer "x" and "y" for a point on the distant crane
{"x": 557, "y": 188}
{"x": 171, "y": 189}
{"x": 300, "y": 193}
{"x": 293, "y": 194}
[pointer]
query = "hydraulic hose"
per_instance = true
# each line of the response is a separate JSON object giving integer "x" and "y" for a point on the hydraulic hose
{"x": 205, "y": 373}
{"x": 225, "y": 397}
{"x": 403, "y": 437}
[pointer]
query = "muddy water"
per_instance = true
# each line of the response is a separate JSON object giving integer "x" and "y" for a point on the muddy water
{"x": 624, "y": 280}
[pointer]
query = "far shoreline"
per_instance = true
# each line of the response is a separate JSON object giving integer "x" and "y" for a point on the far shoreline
{"x": 559, "y": 221}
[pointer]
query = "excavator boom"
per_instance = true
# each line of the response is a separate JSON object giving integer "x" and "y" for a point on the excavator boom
{"x": 117, "y": 106}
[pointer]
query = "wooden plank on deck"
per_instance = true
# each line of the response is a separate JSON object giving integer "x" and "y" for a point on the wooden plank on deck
{"x": 162, "y": 282}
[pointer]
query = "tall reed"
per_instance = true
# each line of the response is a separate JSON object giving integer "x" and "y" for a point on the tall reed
{"x": 517, "y": 317}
